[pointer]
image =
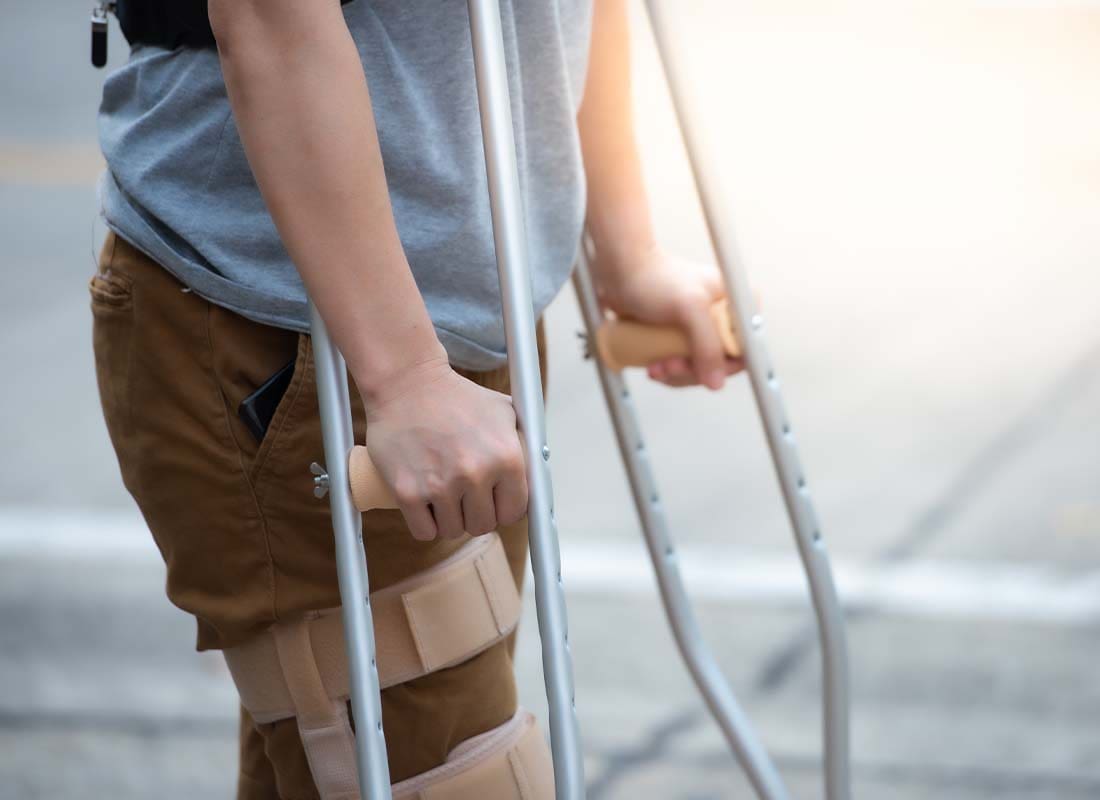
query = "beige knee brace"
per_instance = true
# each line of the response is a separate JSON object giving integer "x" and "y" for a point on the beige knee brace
{"x": 511, "y": 762}
{"x": 436, "y": 619}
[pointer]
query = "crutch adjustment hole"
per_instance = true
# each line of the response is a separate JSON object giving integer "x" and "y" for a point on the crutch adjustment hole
{"x": 546, "y": 452}
{"x": 757, "y": 322}
{"x": 801, "y": 482}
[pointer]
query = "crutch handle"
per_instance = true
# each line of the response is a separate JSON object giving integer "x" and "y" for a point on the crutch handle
{"x": 368, "y": 489}
{"x": 625, "y": 343}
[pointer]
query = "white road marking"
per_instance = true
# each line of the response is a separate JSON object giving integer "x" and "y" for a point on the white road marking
{"x": 922, "y": 587}
{"x": 990, "y": 590}
{"x": 75, "y": 533}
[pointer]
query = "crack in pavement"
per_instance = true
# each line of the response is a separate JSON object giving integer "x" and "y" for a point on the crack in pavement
{"x": 620, "y": 761}
{"x": 973, "y": 776}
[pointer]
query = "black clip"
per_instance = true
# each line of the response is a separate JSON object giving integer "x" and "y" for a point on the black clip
{"x": 99, "y": 32}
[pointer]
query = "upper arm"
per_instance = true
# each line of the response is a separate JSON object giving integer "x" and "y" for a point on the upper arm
{"x": 237, "y": 23}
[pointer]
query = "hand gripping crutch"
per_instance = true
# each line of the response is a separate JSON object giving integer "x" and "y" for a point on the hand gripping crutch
{"x": 519, "y": 322}
{"x": 748, "y": 340}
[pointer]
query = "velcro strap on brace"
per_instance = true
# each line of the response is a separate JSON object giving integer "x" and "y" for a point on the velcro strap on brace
{"x": 437, "y": 618}
{"x": 511, "y": 762}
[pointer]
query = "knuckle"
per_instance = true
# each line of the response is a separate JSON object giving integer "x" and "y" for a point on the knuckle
{"x": 512, "y": 464}
{"x": 517, "y": 470}
{"x": 436, "y": 486}
{"x": 511, "y": 457}
{"x": 407, "y": 492}
{"x": 472, "y": 470}
{"x": 465, "y": 463}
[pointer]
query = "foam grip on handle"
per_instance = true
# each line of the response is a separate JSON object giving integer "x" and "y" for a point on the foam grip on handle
{"x": 368, "y": 489}
{"x": 625, "y": 343}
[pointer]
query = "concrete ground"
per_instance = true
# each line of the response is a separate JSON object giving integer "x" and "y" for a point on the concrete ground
{"x": 917, "y": 195}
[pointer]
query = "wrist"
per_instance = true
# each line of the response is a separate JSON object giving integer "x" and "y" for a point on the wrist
{"x": 620, "y": 249}
{"x": 386, "y": 381}
{"x": 620, "y": 263}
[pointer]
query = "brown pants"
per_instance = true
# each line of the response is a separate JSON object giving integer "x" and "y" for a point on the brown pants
{"x": 244, "y": 541}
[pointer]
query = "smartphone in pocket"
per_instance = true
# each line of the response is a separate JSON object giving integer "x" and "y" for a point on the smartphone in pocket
{"x": 257, "y": 410}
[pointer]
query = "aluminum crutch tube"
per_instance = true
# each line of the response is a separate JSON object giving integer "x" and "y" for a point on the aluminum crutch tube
{"x": 704, "y": 669}
{"x": 510, "y": 239}
{"x": 748, "y": 328}
{"x": 334, "y": 403}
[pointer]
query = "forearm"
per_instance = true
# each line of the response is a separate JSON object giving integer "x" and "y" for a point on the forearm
{"x": 618, "y": 220}
{"x": 301, "y": 104}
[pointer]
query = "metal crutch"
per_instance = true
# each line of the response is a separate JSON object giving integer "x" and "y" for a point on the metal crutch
{"x": 510, "y": 239}
{"x": 519, "y": 322}
{"x": 698, "y": 658}
{"x": 704, "y": 670}
{"x": 334, "y": 404}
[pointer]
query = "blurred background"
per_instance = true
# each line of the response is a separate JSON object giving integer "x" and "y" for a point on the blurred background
{"x": 916, "y": 190}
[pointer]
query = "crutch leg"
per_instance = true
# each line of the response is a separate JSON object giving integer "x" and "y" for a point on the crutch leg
{"x": 519, "y": 323}
{"x": 351, "y": 565}
{"x": 748, "y": 328}
{"x": 704, "y": 670}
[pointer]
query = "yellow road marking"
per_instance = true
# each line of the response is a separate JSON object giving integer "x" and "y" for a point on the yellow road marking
{"x": 49, "y": 164}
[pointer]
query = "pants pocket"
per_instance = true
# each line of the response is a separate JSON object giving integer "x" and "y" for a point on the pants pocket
{"x": 112, "y": 302}
{"x": 243, "y": 356}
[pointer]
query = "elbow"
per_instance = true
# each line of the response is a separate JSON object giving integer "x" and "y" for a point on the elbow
{"x": 271, "y": 23}
{"x": 239, "y": 23}
{"x": 230, "y": 20}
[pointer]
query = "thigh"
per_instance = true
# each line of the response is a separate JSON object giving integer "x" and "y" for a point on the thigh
{"x": 173, "y": 434}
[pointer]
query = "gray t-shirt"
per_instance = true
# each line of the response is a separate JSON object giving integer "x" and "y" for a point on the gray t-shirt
{"x": 178, "y": 185}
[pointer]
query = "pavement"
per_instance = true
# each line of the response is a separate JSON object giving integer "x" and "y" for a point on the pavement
{"x": 916, "y": 189}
